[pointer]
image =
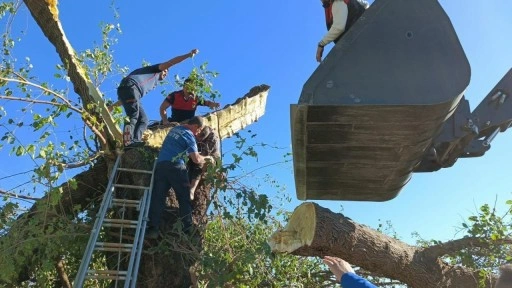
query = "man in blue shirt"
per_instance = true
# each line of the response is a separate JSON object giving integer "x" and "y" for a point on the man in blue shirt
{"x": 171, "y": 172}
{"x": 344, "y": 273}
{"x": 133, "y": 87}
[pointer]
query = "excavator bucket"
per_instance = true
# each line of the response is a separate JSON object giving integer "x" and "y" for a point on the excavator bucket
{"x": 368, "y": 113}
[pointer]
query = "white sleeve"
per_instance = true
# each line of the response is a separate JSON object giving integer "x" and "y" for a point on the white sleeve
{"x": 339, "y": 15}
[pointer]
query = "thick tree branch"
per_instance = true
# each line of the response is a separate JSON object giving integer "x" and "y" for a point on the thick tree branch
{"x": 454, "y": 246}
{"x": 316, "y": 231}
{"x": 45, "y": 13}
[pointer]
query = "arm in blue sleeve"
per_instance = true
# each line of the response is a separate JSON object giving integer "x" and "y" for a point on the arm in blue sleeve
{"x": 351, "y": 280}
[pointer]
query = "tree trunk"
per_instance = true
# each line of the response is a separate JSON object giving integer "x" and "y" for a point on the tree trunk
{"x": 91, "y": 185}
{"x": 316, "y": 231}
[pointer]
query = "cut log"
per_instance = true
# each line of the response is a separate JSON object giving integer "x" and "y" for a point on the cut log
{"x": 316, "y": 231}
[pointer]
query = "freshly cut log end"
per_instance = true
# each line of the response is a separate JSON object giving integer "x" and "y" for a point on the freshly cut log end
{"x": 299, "y": 231}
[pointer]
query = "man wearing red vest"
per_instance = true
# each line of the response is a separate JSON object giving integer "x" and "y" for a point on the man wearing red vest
{"x": 183, "y": 104}
{"x": 339, "y": 16}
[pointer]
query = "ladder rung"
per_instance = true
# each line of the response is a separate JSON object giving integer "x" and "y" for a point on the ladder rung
{"x": 106, "y": 274}
{"x": 135, "y": 170}
{"x": 126, "y": 202}
{"x": 120, "y": 223}
{"x": 131, "y": 186}
{"x": 113, "y": 245}
{"x": 105, "y": 277}
{"x": 112, "y": 249}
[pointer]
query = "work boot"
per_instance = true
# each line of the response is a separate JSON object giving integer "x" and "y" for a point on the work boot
{"x": 135, "y": 144}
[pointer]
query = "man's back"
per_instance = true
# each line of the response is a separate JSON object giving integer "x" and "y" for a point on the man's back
{"x": 178, "y": 143}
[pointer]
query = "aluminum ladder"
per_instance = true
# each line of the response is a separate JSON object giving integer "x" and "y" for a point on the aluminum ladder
{"x": 120, "y": 277}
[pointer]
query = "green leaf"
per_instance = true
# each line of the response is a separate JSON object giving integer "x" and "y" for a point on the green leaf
{"x": 20, "y": 150}
{"x": 31, "y": 149}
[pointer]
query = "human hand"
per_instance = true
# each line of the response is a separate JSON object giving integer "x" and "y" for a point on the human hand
{"x": 337, "y": 266}
{"x": 319, "y": 53}
{"x": 214, "y": 105}
{"x": 194, "y": 52}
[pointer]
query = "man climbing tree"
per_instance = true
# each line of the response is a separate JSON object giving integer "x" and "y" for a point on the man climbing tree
{"x": 133, "y": 87}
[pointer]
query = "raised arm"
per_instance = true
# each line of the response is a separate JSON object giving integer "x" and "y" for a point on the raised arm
{"x": 177, "y": 59}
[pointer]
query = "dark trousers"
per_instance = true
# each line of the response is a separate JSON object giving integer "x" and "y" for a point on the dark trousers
{"x": 138, "y": 120}
{"x": 169, "y": 175}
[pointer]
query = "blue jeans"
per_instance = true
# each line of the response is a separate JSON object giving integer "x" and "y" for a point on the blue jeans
{"x": 129, "y": 96}
{"x": 170, "y": 175}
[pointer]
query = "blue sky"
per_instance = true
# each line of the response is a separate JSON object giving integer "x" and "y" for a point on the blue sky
{"x": 274, "y": 43}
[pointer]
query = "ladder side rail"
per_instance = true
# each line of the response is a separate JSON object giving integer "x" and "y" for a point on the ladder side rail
{"x": 131, "y": 277}
{"x": 121, "y": 211}
{"x": 145, "y": 217}
{"x": 86, "y": 259}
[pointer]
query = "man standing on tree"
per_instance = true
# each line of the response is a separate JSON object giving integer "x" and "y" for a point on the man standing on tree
{"x": 339, "y": 16}
{"x": 171, "y": 172}
{"x": 133, "y": 87}
{"x": 183, "y": 104}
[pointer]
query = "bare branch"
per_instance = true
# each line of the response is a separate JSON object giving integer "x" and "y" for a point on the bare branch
{"x": 18, "y": 196}
{"x": 85, "y": 139}
{"x": 26, "y": 82}
{"x": 45, "y": 89}
{"x": 86, "y": 121}
{"x": 94, "y": 129}
{"x": 78, "y": 164}
{"x": 16, "y": 174}
{"x": 453, "y": 246}
{"x": 35, "y": 101}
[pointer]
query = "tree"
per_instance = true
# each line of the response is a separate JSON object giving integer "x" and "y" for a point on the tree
{"x": 57, "y": 224}
{"x": 466, "y": 262}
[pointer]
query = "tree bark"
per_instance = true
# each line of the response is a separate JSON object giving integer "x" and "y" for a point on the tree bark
{"x": 316, "y": 231}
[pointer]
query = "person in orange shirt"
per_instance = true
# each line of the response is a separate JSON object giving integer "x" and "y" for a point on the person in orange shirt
{"x": 183, "y": 104}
